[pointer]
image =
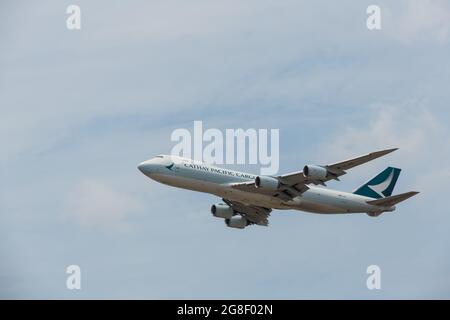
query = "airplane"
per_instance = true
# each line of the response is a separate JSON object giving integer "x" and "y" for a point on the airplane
{"x": 249, "y": 199}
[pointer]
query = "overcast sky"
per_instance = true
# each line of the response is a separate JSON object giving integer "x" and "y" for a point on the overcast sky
{"x": 80, "y": 109}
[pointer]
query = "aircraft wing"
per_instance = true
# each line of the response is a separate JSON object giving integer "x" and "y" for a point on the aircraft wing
{"x": 295, "y": 183}
{"x": 254, "y": 214}
{"x": 335, "y": 170}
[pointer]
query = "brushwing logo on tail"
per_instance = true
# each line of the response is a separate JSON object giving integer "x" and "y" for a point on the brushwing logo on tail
{"x": 381, "y": 187}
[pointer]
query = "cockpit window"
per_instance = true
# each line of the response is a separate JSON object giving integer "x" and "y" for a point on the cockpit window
{"x": 161, "y": 159}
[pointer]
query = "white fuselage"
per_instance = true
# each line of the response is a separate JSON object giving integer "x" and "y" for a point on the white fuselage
{"x": 193, "y": 175}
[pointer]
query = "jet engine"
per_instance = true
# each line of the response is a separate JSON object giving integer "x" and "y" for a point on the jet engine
{"x": 266, "y": 182}
{"x": 315, "y": 172}
{"x": 238, "y": 222}
{"x": 222, "y": 210}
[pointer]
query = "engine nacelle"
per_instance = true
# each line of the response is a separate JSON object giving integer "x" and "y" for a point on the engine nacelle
{"x": 315, "y": 172}
{"x": 238, "y": 222}
{"x": 222, "y": 210}
{"x": 266, "y": 182}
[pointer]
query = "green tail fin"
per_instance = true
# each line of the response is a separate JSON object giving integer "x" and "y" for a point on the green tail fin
{"x": 381, "y": 185}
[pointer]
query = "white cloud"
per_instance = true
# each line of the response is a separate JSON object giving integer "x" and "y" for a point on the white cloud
{"x": 407, "y": 126}
{"x": 427, "y": 19}
{"x": 94, "y": 203}
{"x": 416, "y": 131}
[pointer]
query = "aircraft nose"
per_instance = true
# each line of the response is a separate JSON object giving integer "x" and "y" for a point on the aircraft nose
{"x": 141, "y": 167}
{"x": 144, "y": 167}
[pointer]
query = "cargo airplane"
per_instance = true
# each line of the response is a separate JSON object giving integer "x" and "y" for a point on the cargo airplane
{"x": 249, "y": 199}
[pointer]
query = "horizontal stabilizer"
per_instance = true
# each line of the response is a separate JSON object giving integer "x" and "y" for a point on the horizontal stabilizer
{"x": 392, "y": 200}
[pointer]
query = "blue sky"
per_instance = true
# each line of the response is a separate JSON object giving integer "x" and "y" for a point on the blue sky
{"x": 80, "y": 109}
